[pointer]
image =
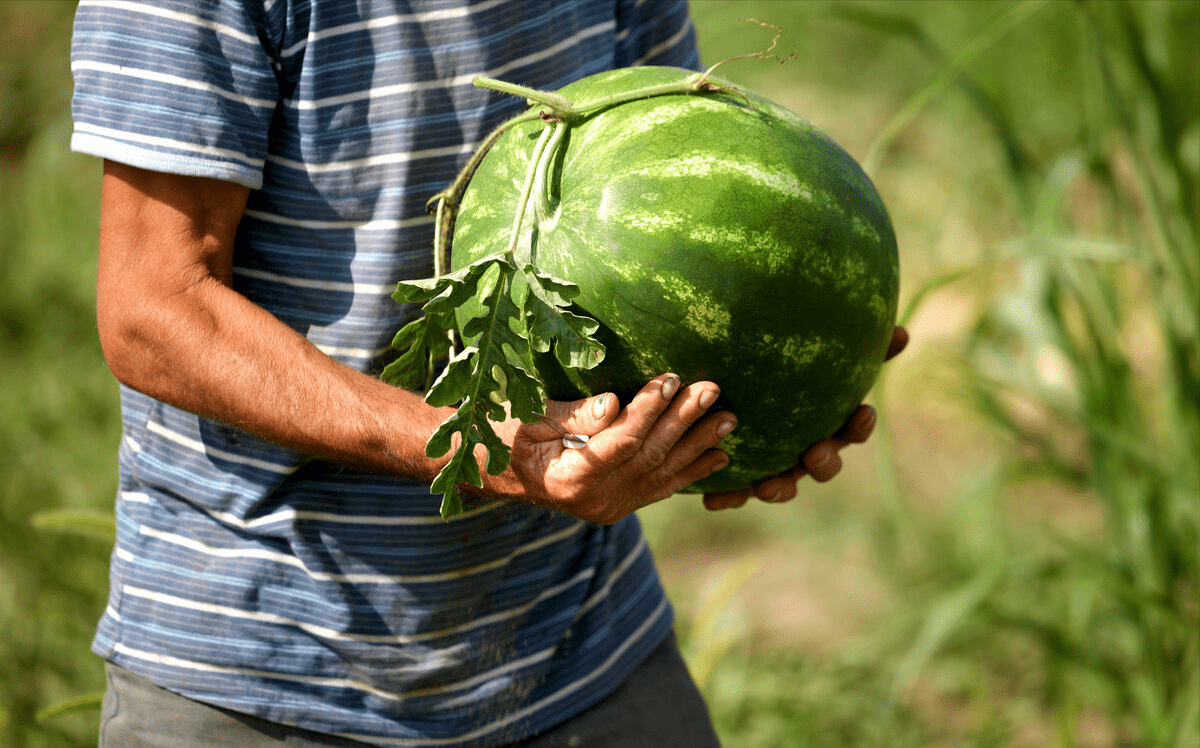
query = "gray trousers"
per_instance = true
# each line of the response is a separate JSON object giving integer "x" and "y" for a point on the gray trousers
{"x": 658, "y": 706}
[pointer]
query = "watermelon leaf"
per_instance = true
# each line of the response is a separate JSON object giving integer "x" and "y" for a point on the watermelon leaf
{"x": 551, "y": 321}
{"x": 424, "y": 341}
{"x": 503, "y": 313}
{"x": 428, "y": 339}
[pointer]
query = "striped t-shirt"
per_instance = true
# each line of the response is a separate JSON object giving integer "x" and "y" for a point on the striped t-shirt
{"x": 256, "y": 578}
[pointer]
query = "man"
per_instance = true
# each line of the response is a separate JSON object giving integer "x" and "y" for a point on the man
{"x": 281, "y": 573}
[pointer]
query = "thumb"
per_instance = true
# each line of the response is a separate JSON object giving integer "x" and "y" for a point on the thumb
{"x": 588, "y": 416}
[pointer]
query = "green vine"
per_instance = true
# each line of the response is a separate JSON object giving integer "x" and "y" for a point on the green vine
{"x": 552, "y": 109}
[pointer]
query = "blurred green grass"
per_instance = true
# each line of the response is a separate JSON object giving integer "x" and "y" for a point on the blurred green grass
{"x": 59, "y": 419}
{"x": 1010, "y": 562}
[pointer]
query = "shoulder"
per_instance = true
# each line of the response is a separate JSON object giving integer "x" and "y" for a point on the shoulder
{"x": 184, "y": 87}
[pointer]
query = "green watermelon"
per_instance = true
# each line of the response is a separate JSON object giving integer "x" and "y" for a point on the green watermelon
{"x": 718, "y": 236}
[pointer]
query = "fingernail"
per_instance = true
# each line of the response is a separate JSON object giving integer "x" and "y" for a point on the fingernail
{"x": 725, "y": 427}
{"x": 820, "y": 460}
{"x": 670, "y": 386}
{"x": 600, "y": 406}
{"x": 707, "y": 398}
{"x": 721, "y": 463}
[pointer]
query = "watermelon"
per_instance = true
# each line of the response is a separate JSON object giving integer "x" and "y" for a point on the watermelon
{"x": 715, "y": 235}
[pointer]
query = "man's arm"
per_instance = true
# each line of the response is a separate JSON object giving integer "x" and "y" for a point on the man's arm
{"x": 171, "y": 326}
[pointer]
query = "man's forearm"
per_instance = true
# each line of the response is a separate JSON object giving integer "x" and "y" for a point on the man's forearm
{"x": 212, "y": 352}
{"x": 172, "y": 327}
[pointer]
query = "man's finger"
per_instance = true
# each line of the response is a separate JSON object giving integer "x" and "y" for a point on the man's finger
{"x": 780, "y": 488}
{"x": 774, "y": 490}
{"x": 626, "y": 433}
{"x": 858, "y": 426}
{"x": 672, "y": 443}
{"x": 709, "y": 462}
{"x": 588, "y": 416}
{"x": 719, "y": 500}
{"x": 898, "y": 343}
{"x": 822, "y": 461}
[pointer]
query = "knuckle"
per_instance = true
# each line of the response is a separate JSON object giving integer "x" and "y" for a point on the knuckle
{"x": 627, "y": 449}
{"x": 653, "y": 455}
{"x": 661, "y": 475}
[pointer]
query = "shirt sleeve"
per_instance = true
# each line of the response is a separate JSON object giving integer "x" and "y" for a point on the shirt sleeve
{"x": 181, "y": 87}
{"x": 656, "y": 32}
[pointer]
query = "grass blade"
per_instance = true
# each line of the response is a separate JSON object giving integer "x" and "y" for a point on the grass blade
{"x": 925, "y": 95}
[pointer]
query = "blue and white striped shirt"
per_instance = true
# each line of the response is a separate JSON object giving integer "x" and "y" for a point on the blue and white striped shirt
{"x": 259, "y": 579}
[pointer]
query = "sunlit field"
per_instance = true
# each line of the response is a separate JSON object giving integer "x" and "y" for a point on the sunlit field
{"x": 1010, "y": 562}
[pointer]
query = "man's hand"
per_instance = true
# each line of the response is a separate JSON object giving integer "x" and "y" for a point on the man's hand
{"x": 821, "y": 460}
{"x": 661, "y": 442}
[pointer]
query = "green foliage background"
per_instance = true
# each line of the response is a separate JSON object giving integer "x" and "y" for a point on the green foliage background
{"x": 59, "y": 421}
{"x": 1012, "y": 561}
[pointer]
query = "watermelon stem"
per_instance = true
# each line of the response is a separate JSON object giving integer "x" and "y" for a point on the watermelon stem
{"x": 527, "y": 188}
{"x": 532, "y": 95}
{"x": 564, "y": 110}
{"x": 543, "y": 209}
{"x": 440, "y": 264}
{"x": 445, "y": 203}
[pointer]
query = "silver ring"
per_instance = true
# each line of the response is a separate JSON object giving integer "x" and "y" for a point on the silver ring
{"x": 575, "y": 441}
